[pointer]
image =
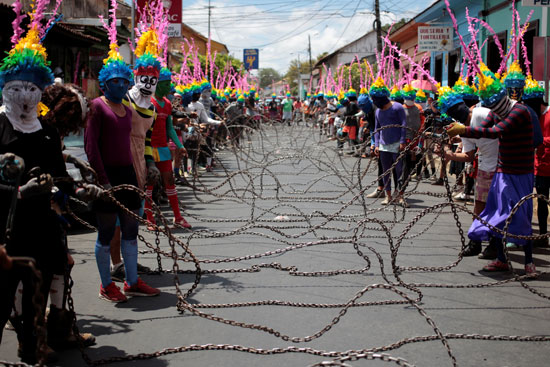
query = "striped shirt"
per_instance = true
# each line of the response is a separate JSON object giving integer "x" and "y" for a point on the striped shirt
{"x": 515, "y": 134}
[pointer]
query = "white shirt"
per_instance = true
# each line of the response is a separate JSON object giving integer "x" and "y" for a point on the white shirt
{"x": 488, "y": 148}
{"x": 199, "y": 109}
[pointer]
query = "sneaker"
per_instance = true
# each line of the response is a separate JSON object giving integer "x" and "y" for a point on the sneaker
{"x": 496, "y": 265}
{"x": 511, "y": 246}
{"x": 403, "y": 202}
{"x": 530, "y": 271}
{"x": 489, "y": 253}
{"x": 181, "y": 222}
{"x": 140, "y": 289}
{"x": 540, "y": 242}
{"x": 118, "y": 273}
{"x": 386, "y": 201}
{"x": 376, "y": 194}
{"x": 141, "y": 269}
{"x": 473, "y": 248}
{"x": 438, "y": 182}
{"x": 112, "y": 293}
{"x": 462, "y": 197}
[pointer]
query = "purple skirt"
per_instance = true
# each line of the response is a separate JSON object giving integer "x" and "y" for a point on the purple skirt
{"x": 505, "y": 192}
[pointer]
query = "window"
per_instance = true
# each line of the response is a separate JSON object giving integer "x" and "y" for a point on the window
{"x": 493, "y": 54}
{"x": 530, "y": 34}
{"x": 438, "y": 68}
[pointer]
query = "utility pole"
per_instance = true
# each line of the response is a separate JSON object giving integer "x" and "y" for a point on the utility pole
{"x": 133, "y": 32}
{"x": 209, "y": 13}
{"x": 309, "y": 50}
{"x": 378, "y": 25}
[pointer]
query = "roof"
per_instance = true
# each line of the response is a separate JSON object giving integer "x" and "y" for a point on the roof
{"x": 76, "y": 31}
{"x": 322, "y": 60}
{"x": 405, "y": 32}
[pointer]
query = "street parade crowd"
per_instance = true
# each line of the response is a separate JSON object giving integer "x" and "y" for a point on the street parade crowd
{"x": 154, "y": 128}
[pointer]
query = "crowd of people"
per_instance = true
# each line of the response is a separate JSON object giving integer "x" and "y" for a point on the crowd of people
{"x": 153, "y": 129}
{"x": 150, "y": 129}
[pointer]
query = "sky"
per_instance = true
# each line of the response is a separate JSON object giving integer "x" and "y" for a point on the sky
{"x": 280, "y": 28}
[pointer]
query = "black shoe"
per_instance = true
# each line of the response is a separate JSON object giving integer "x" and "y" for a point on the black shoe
{"x": 118, "y": 274}
{"x": 541, "y": 242}
{"x": 141, "y": 269}
{"x": 439, "y": 182}
{"x": 490, "y": 252}
{"x": 473, "y": 248}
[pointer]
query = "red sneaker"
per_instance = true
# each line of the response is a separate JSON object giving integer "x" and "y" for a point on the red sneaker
{"x": 181, "y": 222}
{"x": 140, "y": 289}
{"x": 496, "y": 265}
{"x": 112, "y": 293}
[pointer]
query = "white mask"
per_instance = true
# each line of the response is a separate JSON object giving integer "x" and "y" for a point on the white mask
{"x": 143, "y": 89}
{"x": 409, "y": 102}
{"x": 21, "y": 99}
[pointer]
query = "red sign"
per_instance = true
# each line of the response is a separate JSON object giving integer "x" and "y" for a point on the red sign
{"x": 173, "y": 6}
{"x": 174, "y": 15}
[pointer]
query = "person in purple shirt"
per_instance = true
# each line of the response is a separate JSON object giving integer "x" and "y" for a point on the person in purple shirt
{"x": 390, "y": 141}
{"x": 107, "y": 145}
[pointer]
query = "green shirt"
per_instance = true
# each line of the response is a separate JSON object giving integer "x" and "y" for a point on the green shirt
{"x": 287, "y": 105}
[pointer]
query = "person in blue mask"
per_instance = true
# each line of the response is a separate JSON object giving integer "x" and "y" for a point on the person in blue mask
{"x": 107, "y": 145}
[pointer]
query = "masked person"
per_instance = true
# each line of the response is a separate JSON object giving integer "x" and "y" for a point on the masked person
{"x": 533, "y": 96}
{"x": 34, "y": 148}
{"x": 107, "y": 145}
{"x": 510, "y": 122}
{"x": 158, "y": 151}
{"x": 452, "y": 103}
{"x": 388, "y": 142}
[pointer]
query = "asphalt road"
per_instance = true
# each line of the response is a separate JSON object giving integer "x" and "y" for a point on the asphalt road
{"x": 287, "y": 189}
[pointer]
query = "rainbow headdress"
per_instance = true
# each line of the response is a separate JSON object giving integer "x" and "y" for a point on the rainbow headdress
{"x": 27, "y": 60}
{"x": 490, "y": 89}
{"x": 379, "y": 89}
{"x": 420, "y": 96}
{"x": 288, "y": 94}
{"x": 152, "y": 40}
{"x": 205, "y": 84}
{"x": 114, "y": 65}
{"x": 165, "y": 74}
{"x": 396, "y": 93}
{"x": 447, "y": 99}
{"x": 532, "y": 89}
{"x": 409, "y": 92}
{"x": 466, "y": 91}
{"x": 364, "y": 102}
{"x": 351, "y": 93}
{"x": 514, "y": 77}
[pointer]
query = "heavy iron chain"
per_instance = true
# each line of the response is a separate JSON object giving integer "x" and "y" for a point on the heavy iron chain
{"x": 254, "y": 222}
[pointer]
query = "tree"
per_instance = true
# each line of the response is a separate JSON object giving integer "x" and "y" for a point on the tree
{"x": 293, "y": 74}
{"x": 267, "y": 76}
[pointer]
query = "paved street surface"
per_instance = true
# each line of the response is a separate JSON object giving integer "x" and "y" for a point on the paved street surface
{"x": 292, "y": 175}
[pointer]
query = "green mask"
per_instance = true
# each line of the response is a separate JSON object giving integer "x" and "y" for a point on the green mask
{"x": 163, "y": 88}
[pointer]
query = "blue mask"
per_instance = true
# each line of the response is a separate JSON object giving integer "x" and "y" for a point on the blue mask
{"x": 380, "y": 101}
{"x": 115, "y": 89}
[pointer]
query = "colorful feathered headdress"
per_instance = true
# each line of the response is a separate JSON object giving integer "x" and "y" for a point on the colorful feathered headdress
{"x": 379, "y": 89}
{"x": 151, "y": 43}
{"x": 396, "y": 93}
{"x": 409, "y": 92}
{"x": 514, "y": 77}
{"x": 465, "y": 90}
{"x": 114, "y": 65}
{"x": 27, "y": 60}
{"x": 490, "y": 90}
{"x": 447, "y": 98}
{"x": 420, "y": 96}
{"x": 532, "y": 89}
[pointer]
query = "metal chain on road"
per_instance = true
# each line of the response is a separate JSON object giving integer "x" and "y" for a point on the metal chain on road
{"x": 252, "y": 183}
